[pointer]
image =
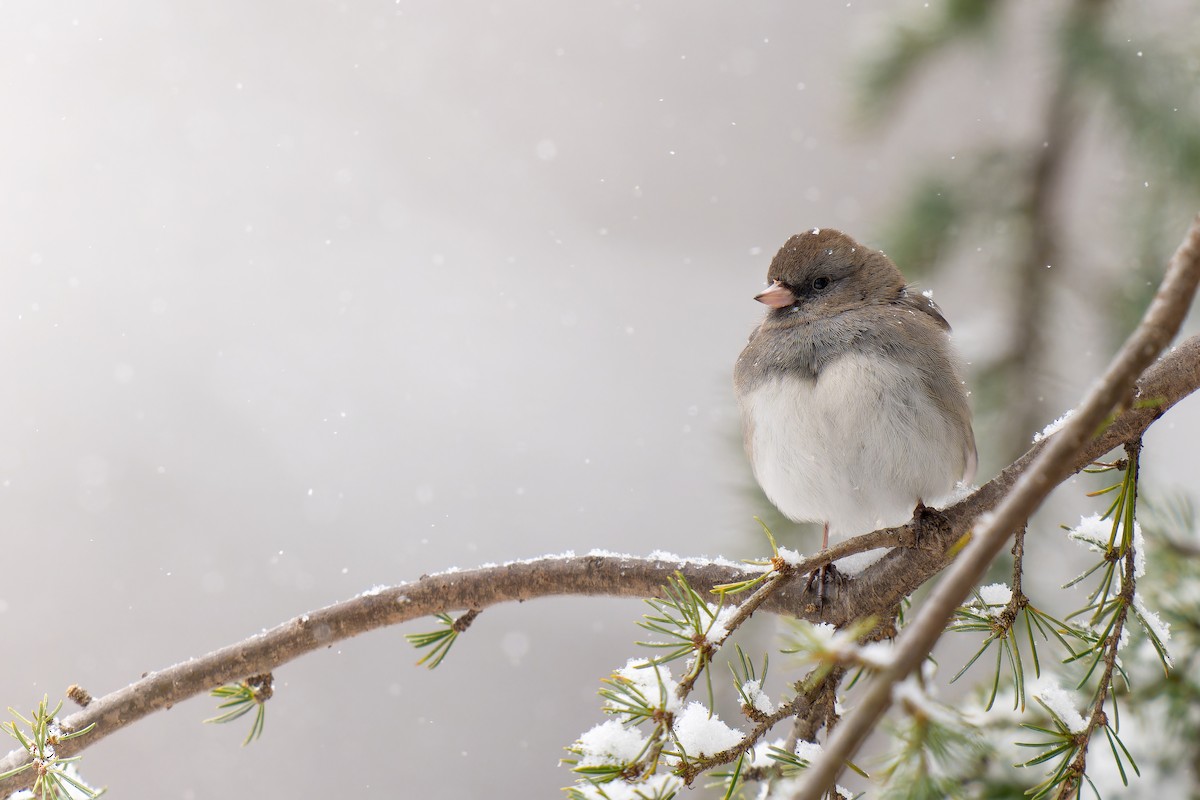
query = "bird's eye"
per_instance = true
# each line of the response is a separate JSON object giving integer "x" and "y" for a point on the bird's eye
{"x": 820, "y": 283}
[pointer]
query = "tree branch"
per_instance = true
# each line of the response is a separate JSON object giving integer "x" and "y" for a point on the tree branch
{"x": 1112, "y": 646}
{"x": 921, "y": 550}
{"x": 1051, "y": 465}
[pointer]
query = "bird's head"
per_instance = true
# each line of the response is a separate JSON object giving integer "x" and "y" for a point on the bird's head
{"x": 824, "y": 272}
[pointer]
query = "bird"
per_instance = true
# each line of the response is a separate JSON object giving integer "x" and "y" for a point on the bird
{"x": 854, "y": 411}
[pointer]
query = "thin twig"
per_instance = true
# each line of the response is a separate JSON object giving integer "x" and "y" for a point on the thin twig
{"x": 1097, "y": 718}
{"x": 770, "y": 585}
{"x": 804, "y": 701}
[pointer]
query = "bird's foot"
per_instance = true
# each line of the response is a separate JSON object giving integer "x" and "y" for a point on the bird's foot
{"x": 823, "y": 576}
{"x": 928, "y": 523}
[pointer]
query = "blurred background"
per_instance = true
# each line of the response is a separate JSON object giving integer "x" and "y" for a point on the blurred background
{"x": 303, "y": 298}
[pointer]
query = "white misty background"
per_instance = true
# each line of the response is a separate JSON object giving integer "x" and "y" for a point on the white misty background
{"x": 301, "y": 298}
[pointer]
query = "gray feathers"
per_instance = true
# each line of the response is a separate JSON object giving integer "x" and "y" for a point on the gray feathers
{"x": 891, "y": 362}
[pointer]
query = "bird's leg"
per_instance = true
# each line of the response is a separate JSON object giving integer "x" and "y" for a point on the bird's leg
{"x": 825, "y": 573}
{"x": 919, "y": 514}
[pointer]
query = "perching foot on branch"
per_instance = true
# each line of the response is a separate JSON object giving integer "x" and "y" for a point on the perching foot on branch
{"x": 822, "y": 577}
{"x": 930, "y": 525}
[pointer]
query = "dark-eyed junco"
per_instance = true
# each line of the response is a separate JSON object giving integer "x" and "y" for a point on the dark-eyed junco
{"x": 853, "y": 409}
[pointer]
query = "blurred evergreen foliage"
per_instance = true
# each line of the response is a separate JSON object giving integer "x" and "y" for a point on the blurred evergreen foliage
{"x": 1011, "y": 194}
{"x": 911, "y": 45}
{"x": 1137, "y": 88}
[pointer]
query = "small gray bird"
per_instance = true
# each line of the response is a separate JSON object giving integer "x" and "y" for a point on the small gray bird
{"x": 853, "y": 409}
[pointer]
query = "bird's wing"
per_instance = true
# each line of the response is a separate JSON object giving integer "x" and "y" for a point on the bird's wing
{"x": 924, "y": 304}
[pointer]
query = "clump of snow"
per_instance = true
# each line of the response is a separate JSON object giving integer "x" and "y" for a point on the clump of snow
{"x": 758, "y": 698}
{"x": 719, "y": 629}
{"x": 610, "y": 744}
{"x": 808, "y": 751}
{"x": 995, "y": 597}
{"x": 823, "y": 633}
{"x": 652, "y": 681}
{"x": 762, "y": 753}
{"x": 995, "y": 594}
{"x": 876, "y": 655}
{"x": 822, "y": 642}
{"x": 790, "y": 556}
{"x": 959, "y": 492}
{"x": 1053, "y": 427}
{"x": 1061, "y": 704}
{"x": 1093, "y": 531}
{"x": 855, "y": 563}
{"x": 1153, "y": 623}
{"x": 602, "y": 553}
{"x": 664, "y": 784}
{"x": 825, "y": 641}
{"x": 701, "y": 733}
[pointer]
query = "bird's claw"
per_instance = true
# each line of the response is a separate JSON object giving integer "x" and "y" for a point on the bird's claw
{"x": 930, "y": 524}
{"x": 823, "y": 576}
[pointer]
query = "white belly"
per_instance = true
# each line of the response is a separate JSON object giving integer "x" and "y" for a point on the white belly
{"x": 856, "y": 448}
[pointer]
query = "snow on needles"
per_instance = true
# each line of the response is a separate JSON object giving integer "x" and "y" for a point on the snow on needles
{"x": 821, "y": 641}
{"x": 1061, "y": 705}
{"x": 995, "y": 597}
{"x": 758, "y": 698}
{"x": 1155, "y": 624}
{"x": 702, "y": 733}
{"x": 719, "y": 629}
{"x": 1095, "y": 531}
{"x": 652, "y": 681}
{"x": 808, "y": 751}
{"x": 661, "y": 785}
{"x": 996, "y": 594}
{"x": 610, "y": 744}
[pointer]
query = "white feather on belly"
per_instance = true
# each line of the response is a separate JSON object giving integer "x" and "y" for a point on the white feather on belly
{"x": 857, "y": 448}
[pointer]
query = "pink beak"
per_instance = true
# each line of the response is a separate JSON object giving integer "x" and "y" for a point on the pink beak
{"x": 777, "y": 296}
